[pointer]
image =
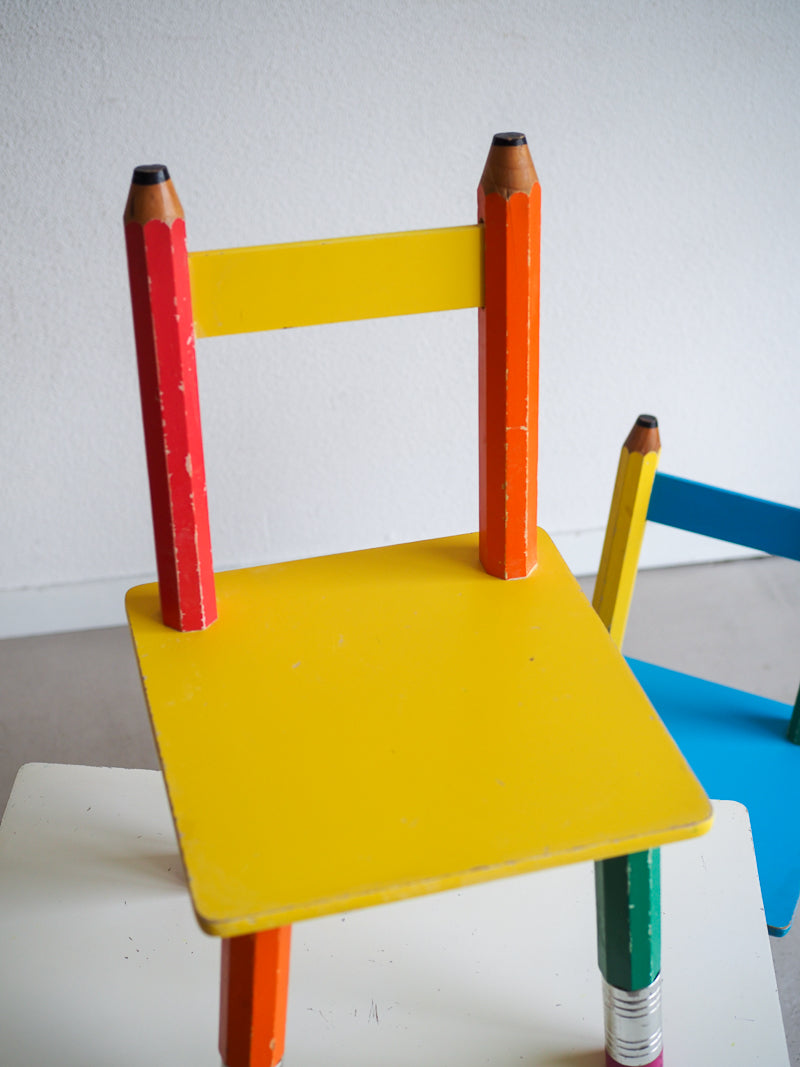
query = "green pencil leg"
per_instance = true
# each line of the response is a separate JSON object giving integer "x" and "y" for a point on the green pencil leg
{"x": 628, "y": 900}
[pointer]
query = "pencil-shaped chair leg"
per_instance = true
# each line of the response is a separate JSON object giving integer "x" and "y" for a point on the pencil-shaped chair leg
{"x": 509, "y": 206}
{"x": 628, "y": 888}
{"x": 619, "y": 561}
{"x": 254, "y": 994}
{"x": 158, "y": 265}
{"x": 628, "y": 897}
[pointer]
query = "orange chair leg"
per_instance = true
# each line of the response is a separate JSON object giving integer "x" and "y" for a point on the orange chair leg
{"x": 254, "y": 991}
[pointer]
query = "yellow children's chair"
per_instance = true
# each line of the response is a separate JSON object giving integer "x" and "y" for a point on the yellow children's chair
{"x": 343, "y": 731}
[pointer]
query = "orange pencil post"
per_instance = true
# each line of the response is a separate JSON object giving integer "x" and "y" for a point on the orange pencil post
{"x": 254, "y": 995}
{"x": 509, "y": 206}
{"x": 155, "y": 234}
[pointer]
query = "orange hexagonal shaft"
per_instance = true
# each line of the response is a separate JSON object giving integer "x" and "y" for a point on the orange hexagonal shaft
{"x": 254, "y": 995}
{"x": 509, "y": 206}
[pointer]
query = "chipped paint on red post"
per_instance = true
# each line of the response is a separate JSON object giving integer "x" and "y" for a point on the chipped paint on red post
{"x": 158, "y": 266}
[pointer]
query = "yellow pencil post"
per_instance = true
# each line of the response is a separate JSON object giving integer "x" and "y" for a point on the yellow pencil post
{"x": 636, "y": 473}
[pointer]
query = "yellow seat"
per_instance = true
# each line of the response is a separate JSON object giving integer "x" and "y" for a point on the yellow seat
{"x": 368, "y": 726}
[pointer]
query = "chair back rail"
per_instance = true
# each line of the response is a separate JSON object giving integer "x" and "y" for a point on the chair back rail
{"x": 308, "y": 283}
{"x": 733, "y": 517}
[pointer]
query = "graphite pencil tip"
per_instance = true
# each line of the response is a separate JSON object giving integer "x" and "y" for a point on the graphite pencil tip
{"x": 509, "y": 139}
{"x": 150, "y": 174}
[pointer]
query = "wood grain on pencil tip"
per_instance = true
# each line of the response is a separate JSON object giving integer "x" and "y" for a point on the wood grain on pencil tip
{"x": 644, "y": 436}
{"x": 509, "y": 168}
{"x": 152, "y": 196}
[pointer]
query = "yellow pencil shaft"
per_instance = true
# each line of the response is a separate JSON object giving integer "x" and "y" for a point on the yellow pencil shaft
{"x": 240, "y": 290}
{"x": 619, "y": 561}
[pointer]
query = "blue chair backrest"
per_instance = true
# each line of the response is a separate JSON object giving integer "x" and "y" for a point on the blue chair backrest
{"x": 733, "y": 517}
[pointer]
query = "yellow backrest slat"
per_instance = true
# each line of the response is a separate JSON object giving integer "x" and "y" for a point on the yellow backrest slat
{"x": 270, "y": 287}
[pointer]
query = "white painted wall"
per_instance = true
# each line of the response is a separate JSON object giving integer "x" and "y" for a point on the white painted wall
{"x": 666, "y": 138}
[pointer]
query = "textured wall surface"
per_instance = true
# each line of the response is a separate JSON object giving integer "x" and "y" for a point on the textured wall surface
{"x": 666, "y": 139}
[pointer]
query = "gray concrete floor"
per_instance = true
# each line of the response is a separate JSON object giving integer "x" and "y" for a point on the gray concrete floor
{"x": 75, "y": 698}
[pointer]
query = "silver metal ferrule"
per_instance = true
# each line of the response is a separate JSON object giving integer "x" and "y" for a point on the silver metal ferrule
{"x": 633, "y": 1023}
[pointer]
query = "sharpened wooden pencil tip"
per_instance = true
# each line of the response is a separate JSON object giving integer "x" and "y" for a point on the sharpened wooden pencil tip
{"x": 644, "y": 436}
{"x": 152, "y": 196}
{"x": 509, "y": 168}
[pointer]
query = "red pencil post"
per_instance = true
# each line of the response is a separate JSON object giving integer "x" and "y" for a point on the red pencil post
{"x": 509, "y": 206}
{"x": 158, "y": 266}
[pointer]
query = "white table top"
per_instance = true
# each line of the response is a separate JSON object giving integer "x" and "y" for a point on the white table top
{"x": 101, "y": 961}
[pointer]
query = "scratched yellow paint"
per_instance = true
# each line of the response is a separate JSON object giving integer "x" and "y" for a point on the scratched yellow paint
{"x": 365, "y": 727}
{"x": 619, "y": 560}
{"x": 240, "y": 290}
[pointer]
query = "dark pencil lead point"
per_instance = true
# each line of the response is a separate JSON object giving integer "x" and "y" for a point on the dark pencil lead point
{"x": 647, "y": 422}
{"x": 509, "y": 139}
{"x": 150, "y": 174}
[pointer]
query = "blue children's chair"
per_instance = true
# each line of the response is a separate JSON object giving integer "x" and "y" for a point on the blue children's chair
{"x": 739, "y": 745}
